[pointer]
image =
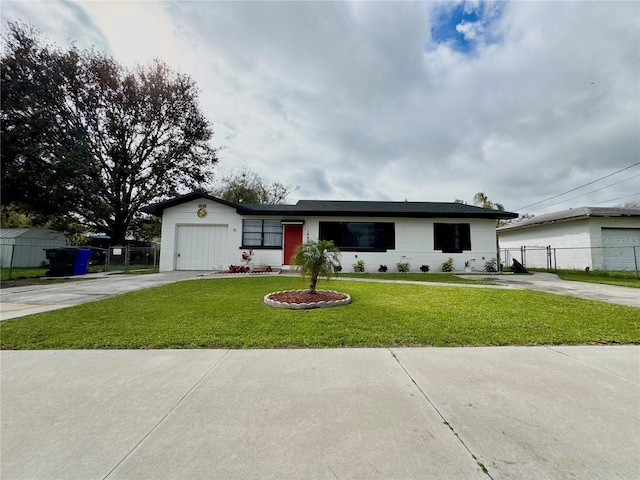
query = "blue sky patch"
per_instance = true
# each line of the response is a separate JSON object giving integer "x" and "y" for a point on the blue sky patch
{"x": 464, "y": 25}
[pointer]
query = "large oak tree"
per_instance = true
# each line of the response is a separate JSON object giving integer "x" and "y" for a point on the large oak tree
{"x": 85, "y": 137}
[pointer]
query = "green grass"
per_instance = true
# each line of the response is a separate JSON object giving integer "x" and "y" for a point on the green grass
{"x": 619, "y": 278}
{"x": 415, "y": 277}
{"x": 19, "y": 273}
{"x": 229, "y": 313}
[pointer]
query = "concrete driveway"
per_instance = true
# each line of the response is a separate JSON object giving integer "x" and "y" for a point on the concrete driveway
{"x": 426, "y": 413}
{"x": 551, "y": 283}
{"x": 21, "y": 301}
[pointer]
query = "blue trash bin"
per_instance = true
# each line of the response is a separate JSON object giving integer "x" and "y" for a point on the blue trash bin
{"x": 81, "y": 263}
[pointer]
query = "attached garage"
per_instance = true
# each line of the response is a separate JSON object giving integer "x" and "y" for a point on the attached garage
{"x": 201, "y": 247}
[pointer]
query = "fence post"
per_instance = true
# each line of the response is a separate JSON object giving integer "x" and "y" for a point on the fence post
{"x": 155, "y": 251}
{"x": 13, "y": 249}
{"x": 548, "y": 258}
{"x": 126, "y": 259}
{"x": 635, "y": 261}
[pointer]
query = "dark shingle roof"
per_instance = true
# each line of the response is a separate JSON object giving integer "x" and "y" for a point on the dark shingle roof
{"x": 345, "y": 208}
{"x": 571, "y": 215}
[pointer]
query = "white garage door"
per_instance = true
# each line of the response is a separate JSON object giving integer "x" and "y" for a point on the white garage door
{"x": 618, "y": 249}
{"x": 201, "y": 247}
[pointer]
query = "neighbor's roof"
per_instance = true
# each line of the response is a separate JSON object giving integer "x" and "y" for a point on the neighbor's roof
{"x": 344, "y": 208}
{"x": 572, "y": 215}
{"x": 37, "y": 233}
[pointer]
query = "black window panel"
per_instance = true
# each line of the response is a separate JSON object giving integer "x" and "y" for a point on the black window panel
{"x": 359, "y": 236}
{"x": 451, "y": 237}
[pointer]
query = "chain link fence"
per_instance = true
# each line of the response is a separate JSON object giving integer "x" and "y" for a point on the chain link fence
{"x": 129, "y": 258}
{"x": 25, "y": 261}
{"x": 610, "y": 259}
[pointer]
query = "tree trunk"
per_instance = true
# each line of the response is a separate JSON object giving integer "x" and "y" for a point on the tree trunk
{"x": 118, "y": 231}
{"x": 314, "y": 283}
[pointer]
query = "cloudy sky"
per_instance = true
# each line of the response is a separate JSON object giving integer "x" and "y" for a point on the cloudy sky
{"x": 418, "y": 101}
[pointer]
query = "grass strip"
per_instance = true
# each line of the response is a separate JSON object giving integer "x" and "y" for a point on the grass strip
{"x": 618, "y": 278}
{"x": 416, "y": 277}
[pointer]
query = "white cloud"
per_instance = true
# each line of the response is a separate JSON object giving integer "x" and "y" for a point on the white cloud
{"x": 354, "y": 100}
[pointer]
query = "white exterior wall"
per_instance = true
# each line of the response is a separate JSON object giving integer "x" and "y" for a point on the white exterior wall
{"x": 414, "y": 239}
{"x": 573, "y": 242}
{"x": 186, "y": 214}
{"x": 414, "y": 243}
{"x": 217, "y": 214}
{"x": 558, "y": 235}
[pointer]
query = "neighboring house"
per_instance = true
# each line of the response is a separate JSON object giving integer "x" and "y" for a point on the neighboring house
{"x": 594, "y": 237}
{"x": 25, "y": 247}
{"x": 201, "y": 232}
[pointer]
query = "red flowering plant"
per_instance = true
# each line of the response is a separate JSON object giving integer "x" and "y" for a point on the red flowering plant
{"x": 247, "y": 257}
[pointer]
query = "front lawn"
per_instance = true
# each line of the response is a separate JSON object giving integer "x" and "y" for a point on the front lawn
{"x": 229, "y": 313}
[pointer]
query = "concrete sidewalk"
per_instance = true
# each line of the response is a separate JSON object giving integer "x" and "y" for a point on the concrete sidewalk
{"x": 458, "y": 413}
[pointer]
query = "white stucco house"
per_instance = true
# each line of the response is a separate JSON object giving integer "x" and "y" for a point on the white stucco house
{"x": 600, "y": 238}
{"x": 202, "y": 232}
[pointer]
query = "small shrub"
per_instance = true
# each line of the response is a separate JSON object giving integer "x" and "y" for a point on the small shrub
{"x": 448, "y": 265}
{"x": 265, "y": 268}
{"x": 239, "y": 269}
{"x": 382, "y": 269}
{"x": 491, "y": 265}
{"x": 358, "y": 266}
{"x": 424, "y": 268}
{"x": 403, "y": 267}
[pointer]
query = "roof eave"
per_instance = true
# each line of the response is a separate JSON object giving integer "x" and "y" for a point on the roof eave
{"x": 158, "y": 208}
{"x": 316, "y": 213}
{"x": 540, "y": 224}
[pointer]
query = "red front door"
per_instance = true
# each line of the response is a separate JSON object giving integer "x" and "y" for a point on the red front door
{"x": 292, "y": 238}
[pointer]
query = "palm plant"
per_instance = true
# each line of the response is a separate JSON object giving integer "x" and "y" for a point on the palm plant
{"x": 315, "y": 258}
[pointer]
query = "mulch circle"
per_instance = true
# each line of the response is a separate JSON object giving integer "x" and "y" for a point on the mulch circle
{"x": 302, "y": 299}
{"x": 303, "y": 296}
